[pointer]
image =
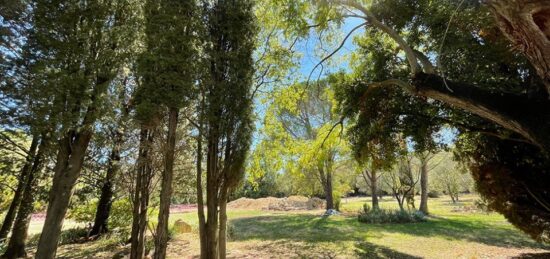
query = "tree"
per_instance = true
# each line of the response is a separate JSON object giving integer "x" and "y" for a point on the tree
{"x": 116, "y": 135}
{"x": 299, "y": 127}
{"x": 402, "y": 182}
{"x": 424, "y": 159}
{"x": 225, "y": 115}
{"x": 457, "y": 62}
{"x": 168, "y": 78}
{"x": 16, "y": 244}
{"x": 80, "y": 62}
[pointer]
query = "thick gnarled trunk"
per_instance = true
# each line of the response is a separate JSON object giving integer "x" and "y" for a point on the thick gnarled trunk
{"x": 528, "y": 117}
{"x": 526, "y": 23}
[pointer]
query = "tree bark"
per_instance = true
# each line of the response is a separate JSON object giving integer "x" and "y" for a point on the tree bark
{"x": 326, "y": 182}
{"x": 526, "y": 116}
{"x": 527, "y": 25}
{"x": 21, "y": 186}
{"x": 222, "y": 250}
{"x": 200, "y": 197}
{"x": 103, "y": 209}
{"x": 424, "y": 185}
{"x": 141, "y": 194}
{"x": 374, "y": 189}
{"x": 70, "y": 158}
{"x": 16, "y": 245}
{"x": 161, "y": 238}
{"x": 212, "y": 208}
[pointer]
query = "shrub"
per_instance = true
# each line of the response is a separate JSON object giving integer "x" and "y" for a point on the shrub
{"x": 380, "y": 216}
{"x": 434, "y": 194}
{"x": 68, "y": 236}
{"x": 120, "y": 217}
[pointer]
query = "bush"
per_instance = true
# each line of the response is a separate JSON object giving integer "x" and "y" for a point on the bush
{"x": 68, "y": 236}
{"x": 433, "y": 194}
{"x": 380, "y": 216}
{"x": 120, "y": 217}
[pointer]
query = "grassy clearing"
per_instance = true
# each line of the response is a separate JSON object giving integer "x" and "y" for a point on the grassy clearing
{"x": 265, "y": 234}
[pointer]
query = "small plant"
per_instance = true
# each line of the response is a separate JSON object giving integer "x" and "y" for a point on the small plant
{"x": 381, "y": 216}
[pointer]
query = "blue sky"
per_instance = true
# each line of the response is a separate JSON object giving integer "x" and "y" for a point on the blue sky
{"x": 309, "y": 47}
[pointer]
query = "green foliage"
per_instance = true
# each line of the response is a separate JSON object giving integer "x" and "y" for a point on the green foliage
{"x": 301, "y": 141}
{"x": 516, "y": 188}
{"x": 381, "y": 216}
{"x": 67, "y": 236}
{"x": 168, "y": 65}
{"x": 120, "y": 217}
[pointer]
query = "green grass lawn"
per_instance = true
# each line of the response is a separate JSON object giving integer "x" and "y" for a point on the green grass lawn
{"x": 447, "y": 233}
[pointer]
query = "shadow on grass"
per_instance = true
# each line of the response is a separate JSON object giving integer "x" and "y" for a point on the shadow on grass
{"x": 369, "y": 250}
{"x": 311, "y": 228}
{"x": 533, "y": 256}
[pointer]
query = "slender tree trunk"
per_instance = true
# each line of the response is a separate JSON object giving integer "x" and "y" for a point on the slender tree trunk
{"x": 400, "y": 200}
{"x": 68, "y": 166}
{"x": 106, "y": 199}
{"x": 141, "y": 194}
{"x": 161, "y": 238}
{"x": 424, "y": 185}
{"x": 328, "y": 192}
{"x": 200, "y": 201}
{"x": 16, "y": 245}
{"x": 374, "y": 189}
{"x": 21, "y": 185}
{"x": 222, "y": 250}
{"x": 212, "y": 191}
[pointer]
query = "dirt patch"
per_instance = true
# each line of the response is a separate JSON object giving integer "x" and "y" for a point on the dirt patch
{"x": 280, "y": 204}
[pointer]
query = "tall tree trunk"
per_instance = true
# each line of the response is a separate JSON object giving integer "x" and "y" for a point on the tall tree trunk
{"x": 70, "y": 158}
{"x": 200, "y": 197}
{"x": 374, "y": 189}
{"x": 212, "y": 192}
{"x": 141, "y": 194}
{"x": 222, "y": 250}
{"x": 424, "y": 185}
{"x": 103, "y": 209}
{"x": 16, "y": 245}
{"x": 161, "y": 238}
{"x": 21, "y": 185}
{"x": 328, "y": 191}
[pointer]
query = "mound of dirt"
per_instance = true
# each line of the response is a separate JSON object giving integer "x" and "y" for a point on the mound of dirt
{"x": 272, "y": 203}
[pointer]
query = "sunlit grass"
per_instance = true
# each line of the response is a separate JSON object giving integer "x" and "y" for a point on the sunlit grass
{"x": 449, "y": 232}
